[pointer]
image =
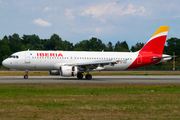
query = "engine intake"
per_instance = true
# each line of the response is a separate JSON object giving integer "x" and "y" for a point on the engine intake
{"x": 68, "y": 71}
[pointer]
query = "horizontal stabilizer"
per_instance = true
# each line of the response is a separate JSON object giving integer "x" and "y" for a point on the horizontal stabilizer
{"x": 157, "y": 58}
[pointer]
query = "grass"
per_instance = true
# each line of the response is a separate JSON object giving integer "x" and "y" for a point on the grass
{"x": 103, "y": 73}
{"x": 89, "y": 101}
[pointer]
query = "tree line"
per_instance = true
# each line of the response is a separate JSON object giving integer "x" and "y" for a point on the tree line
{"x": 14, "y": 43}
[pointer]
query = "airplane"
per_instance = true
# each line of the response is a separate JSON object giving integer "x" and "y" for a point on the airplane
{"x": 75, "y": 63}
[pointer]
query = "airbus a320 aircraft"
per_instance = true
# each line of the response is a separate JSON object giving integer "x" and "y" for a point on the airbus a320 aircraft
{"x": 71, "y": 63}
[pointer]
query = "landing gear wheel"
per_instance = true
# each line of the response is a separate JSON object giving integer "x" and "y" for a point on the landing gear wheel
{"x": 26, "y": 74}
{"x": 88, "y": 76}
{"x": 25, "y": 77}
{"x": 80, "y": 76}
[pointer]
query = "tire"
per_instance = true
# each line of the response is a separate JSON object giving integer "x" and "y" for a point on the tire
{"x": 88, "y": 76}
{"x": 25, "y": 77}
{"x": 80, "y": 76}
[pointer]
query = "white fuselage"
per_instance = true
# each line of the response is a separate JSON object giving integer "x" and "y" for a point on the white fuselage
{"x": 51, "y": 60}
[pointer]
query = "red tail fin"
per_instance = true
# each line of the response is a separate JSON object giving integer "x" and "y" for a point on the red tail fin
{"x": 157, "y": 41}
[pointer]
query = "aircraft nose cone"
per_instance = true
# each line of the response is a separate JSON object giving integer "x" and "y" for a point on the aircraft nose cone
{"x": 4, "y": 63}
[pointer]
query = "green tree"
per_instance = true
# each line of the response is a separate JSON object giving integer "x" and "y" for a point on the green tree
{"x": 137, "y": 47}
{"x": 4, "y": 50}
{"x": 55, "y": 43}
{"x": 32, "y": 42}
{"x": 14, "y": 42}
{"x": 173, "y": 45}
{"x": 6, "y": 39}
{"x": 82, "y": 46}
{"x": 121, "y": 46}
{"x": 110, "y": 46}
{"x": 94, "y": 44}
{"x": 68, "y": 46}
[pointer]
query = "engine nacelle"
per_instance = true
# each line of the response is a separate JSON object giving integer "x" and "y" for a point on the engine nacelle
{"x": 54, "y": 72}
{"x": 68, "y": 71}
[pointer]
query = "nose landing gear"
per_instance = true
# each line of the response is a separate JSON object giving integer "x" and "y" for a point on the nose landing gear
{"x": 26, "y": 74}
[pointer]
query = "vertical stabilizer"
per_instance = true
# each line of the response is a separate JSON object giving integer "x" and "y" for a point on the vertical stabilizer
{"x": 157, "y": 41}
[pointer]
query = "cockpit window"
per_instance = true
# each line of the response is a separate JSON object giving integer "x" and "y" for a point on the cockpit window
{"x": 14, "y": 56}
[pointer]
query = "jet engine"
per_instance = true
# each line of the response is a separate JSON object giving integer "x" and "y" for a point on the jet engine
{"x": 68, "y": 71}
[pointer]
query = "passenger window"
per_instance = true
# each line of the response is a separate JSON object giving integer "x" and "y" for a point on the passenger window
{"x": 17, "y": 57}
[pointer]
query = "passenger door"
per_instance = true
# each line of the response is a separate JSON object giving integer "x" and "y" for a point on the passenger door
{"x": 27, "y": 57}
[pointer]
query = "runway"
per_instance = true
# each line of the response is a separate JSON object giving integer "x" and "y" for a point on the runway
{"x": 95, "y": 80}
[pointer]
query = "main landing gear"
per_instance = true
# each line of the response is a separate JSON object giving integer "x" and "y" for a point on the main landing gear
{"x": 26, "y": 74}
{"x": 88, "y": 76}
{"x": 80, "y": 76}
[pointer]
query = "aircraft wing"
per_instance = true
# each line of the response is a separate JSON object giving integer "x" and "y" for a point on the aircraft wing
{"x": 94, "y": 65}
{"x": 102, "y": 62}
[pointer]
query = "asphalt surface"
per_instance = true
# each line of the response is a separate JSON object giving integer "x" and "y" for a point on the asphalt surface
{"x": 95, "y": 80}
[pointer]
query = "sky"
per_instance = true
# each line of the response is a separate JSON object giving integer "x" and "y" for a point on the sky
{"x": 76, "y": 20}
